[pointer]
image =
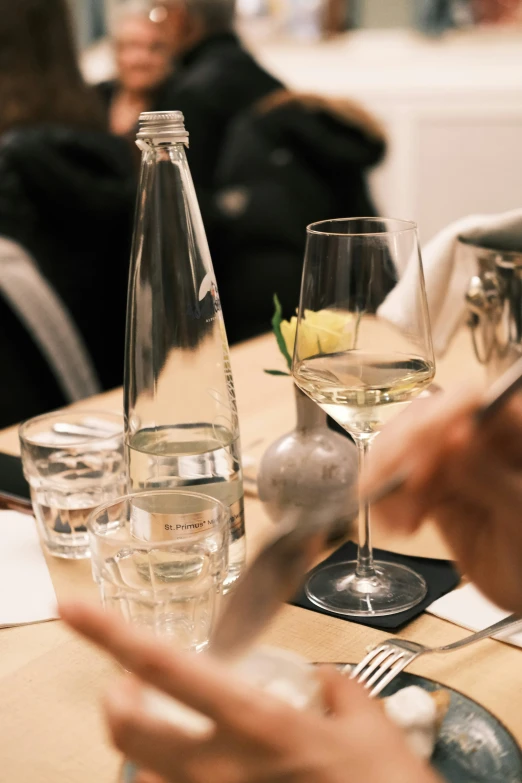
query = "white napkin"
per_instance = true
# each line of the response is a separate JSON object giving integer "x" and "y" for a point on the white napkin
{"x": 448, "y": 272}
{"x": 470, "y": 609}
{"x": 26, "y": 590}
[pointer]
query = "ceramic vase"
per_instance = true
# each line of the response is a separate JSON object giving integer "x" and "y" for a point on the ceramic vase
{"x": 310, "y": 460}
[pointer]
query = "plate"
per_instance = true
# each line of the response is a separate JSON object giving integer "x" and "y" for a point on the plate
{"x": 473, "y": 746}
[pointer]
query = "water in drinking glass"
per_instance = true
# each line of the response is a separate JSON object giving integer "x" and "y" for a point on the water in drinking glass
{"x": 63, "y": 504}
{"x": 160, "y": 559}
{"x": 71, "y": 475}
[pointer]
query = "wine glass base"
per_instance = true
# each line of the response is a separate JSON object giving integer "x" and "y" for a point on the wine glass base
{"x": 390, "y": 589}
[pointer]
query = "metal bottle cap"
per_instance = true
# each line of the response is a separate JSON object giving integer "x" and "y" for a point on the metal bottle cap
{"x": 163, "y": 126}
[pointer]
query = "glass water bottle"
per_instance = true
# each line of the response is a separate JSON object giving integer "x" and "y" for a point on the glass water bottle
{"x": 180, "y": 408}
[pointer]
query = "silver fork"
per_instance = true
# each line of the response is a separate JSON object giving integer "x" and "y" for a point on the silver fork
{"x": 386, "y": 661}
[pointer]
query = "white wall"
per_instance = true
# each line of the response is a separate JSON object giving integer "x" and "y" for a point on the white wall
{"x": 451, "y": 107}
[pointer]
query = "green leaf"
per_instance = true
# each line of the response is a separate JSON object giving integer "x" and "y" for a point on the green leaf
{"x": 277, "y": 372}
{"x": 276, "y": 326}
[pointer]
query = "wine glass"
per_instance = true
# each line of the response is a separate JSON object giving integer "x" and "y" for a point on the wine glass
{"x": 363, "y": 351}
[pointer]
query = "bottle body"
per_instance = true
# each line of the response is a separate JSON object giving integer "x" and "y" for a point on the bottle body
{"x": 180, "y": 409}
{"x": 203, "y": 457}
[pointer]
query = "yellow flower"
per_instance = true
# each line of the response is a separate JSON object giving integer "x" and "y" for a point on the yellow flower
{"x": 325, "y": 331}
{"x": 288, "y": 330}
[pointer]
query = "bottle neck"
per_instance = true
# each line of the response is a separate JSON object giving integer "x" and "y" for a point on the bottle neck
{"x": 162, "y": 147}
{"x": 309, "y": 415}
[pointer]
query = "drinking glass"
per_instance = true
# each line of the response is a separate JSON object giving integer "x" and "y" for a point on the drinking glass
{"x": 160, "y": 559}
{"x": 73, "y": 462}
{"x": 363, "y": 351}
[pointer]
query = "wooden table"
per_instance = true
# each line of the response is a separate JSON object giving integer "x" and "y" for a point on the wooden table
{"x": 50, "y": 681}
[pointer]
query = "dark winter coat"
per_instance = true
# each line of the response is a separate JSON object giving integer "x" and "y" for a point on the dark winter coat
{"x": 67, "y": 196}
{"x": 290, "y": 161}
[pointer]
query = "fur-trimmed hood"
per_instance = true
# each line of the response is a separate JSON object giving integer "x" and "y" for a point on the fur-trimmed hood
{"x": 335, "y": 132}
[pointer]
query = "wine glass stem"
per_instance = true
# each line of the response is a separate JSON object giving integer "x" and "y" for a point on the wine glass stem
{"x": 365, "y": 553}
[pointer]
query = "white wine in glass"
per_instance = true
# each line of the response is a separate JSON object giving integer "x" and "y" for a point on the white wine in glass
{"x": 362, "y": 354}
{"x": 361, "y": 390}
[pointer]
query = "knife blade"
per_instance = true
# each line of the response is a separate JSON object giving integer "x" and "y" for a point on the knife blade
{"x": 274, "y": 577}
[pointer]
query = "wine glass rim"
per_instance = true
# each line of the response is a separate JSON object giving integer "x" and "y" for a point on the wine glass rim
{"x": 402, "y": 226}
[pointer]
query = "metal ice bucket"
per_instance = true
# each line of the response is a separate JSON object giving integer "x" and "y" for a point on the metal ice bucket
{"x": 494, "y": 300}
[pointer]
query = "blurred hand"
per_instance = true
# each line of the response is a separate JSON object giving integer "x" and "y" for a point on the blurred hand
{"x": 257, "y": 738}
{"x": 465, "y": 476}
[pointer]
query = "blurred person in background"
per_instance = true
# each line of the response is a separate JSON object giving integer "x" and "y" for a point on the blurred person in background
{"x": 215, "y": 78}
{"x": 265, "y": 162}
{"x": 144, "y": 63}
{"x": 66, "y": 199}
{"x": 437, "y": 16}
{"x": 290, "y": 161}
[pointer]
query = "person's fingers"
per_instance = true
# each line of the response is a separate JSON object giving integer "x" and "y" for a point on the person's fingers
{"x": 132, "y": 647}
{"x": 150, "y": 743}
{"x": 143, "y": 776}
{"x": 329, "y": 678}
{"x": 203, "y": 684}
{"x": 403, "y": 511}
{"x": 487, "y": 560}
{"x": 341, "y": 695}
{"x": 406, "y": 508}
{"x": 504, "y": 432}
{"x": 393, "y": 445}
{"x": 421, "y": 436}
{"x": 487, "y": 481}
{"x": 481, "y": 523}
{"x": 467, "y": 464}
{"x": 426, "y": 480}
{"x": 355, "y": 713}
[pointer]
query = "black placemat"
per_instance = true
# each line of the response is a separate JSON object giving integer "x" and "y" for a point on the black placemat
{"x": 440, "y": 575}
